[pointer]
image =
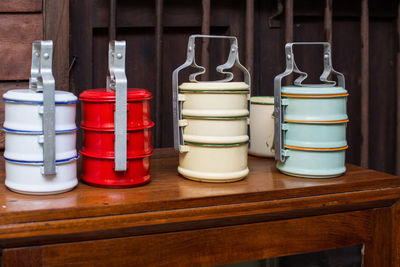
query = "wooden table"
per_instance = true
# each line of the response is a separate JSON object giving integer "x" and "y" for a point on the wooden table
{"x": 176, "y": 222}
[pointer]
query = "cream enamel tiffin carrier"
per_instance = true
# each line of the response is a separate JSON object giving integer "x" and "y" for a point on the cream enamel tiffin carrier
{"x": 211, "y": 120}
{"x": 262, "y": 126}
{"x": 310, "y": 121}
{"x": 40, "y": 131}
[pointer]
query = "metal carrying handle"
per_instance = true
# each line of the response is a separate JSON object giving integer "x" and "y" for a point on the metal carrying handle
{"x": 233, "y": 60}
{"x": 292, "y": 67}
{"x": 117, "y": 81}
{"x": 42, "y": 81}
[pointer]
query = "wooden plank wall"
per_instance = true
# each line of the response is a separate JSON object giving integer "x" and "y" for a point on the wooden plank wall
{"x": 56, "y": 28}
{"x": 300, "y": 20}
{"x": 21, "y": 23}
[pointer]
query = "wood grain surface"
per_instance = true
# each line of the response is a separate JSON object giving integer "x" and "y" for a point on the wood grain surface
{"x": 396, "y": 234}
{"x": 172, "y": 202}
{"x": 174, "y": 221}
{"x": 21, "y": 6}
{"x": 210, "y": 247}
{"x": 17, "y": 32}
{"x": 56, "y": 28}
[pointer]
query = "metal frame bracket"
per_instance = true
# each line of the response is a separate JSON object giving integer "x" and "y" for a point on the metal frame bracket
{"x": 233, "y": 60}
{"x": 117, "y": 81}
{"x": 42, "y": 81}
{"x": 291, "y": 67}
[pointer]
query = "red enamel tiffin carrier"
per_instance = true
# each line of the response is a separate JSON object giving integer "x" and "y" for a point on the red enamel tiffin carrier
{"x": 116, "y": 128}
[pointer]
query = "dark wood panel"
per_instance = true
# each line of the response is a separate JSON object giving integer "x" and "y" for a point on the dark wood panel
{"x": 216, "y": 246}
{"x": 25, "y": 257}
{"x": 345, "y": 8}
{"x": 177, "y": 13}
{"x": 382, "y": 130}
{"x": 269, "y": 59}
{"x": 343, "y": 43}
{"x": 81, "y": 46}
{"x": 309, "y": 58}
{"x": 381, "y": 239}
{"x": 56, "y": 21}
{"x": 21, "y": 6}
{"x": 396, "y": 233}
{"x": 17, "y": 32}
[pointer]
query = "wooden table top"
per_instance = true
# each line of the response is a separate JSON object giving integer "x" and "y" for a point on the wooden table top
{"x": 169, "y": 191}
{"x": 172, "y": 203}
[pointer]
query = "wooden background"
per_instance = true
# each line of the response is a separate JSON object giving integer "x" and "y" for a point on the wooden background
{"x": 136, "y": 24}
{"x": 23, "y": 21}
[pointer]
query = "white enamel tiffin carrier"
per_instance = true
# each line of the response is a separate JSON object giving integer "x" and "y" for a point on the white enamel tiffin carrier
{"x": 40, "y": 131}
{"x": 310, "y": 121}
{"x": 262, "y": 126}
{"x": 211, "y": 120}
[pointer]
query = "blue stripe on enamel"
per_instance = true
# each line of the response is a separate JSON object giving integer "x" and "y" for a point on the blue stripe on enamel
{"x": 37, "y": 132}
{"x": 39, "y": 102}
{"x": 41, "y": 162}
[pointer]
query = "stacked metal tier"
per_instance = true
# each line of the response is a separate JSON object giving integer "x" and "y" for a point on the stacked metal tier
{"x": 211, "y": 120}
{"x": 310, "y": 122}
{"x": 98, "y": 150}
{"x": 214, "y": 120}
{"x": 40, "y": 132}
{"x": 116, "y": 128}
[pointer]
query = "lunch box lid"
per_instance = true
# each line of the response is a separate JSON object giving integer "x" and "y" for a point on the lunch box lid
{"x": 262, "y": 100}
{"x": 214, "y": 86}
{"x": 31, "y": 97}
{"x": 108, "y": 95}
{"x": 316, "y": 89}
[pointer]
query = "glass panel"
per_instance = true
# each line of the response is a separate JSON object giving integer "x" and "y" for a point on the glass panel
{"x": 340, "y": 257}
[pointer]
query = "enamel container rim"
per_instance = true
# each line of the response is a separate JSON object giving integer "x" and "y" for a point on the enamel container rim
{"x": 27, "y": 96}
{"x": 108, "y": 95}
{"x": 262, "y": 100}
{"x": 201, "y": 86}
{"x": 313, "y": 90}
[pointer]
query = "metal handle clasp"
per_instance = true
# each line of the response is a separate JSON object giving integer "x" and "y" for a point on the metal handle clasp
{"x": 290, "y": 68}
{"x": 117, "y": 81}
{"x": 233, "y": 60}
{"x": 42, "y": 81}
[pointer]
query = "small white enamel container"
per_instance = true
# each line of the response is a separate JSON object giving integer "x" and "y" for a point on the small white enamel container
{"x": 24, "y": 138}
{"x": 29, "y": 147}
{"x": 28, "y": 178}
{"x": 24, "y": 109}
{"x": 262, "y": 126}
